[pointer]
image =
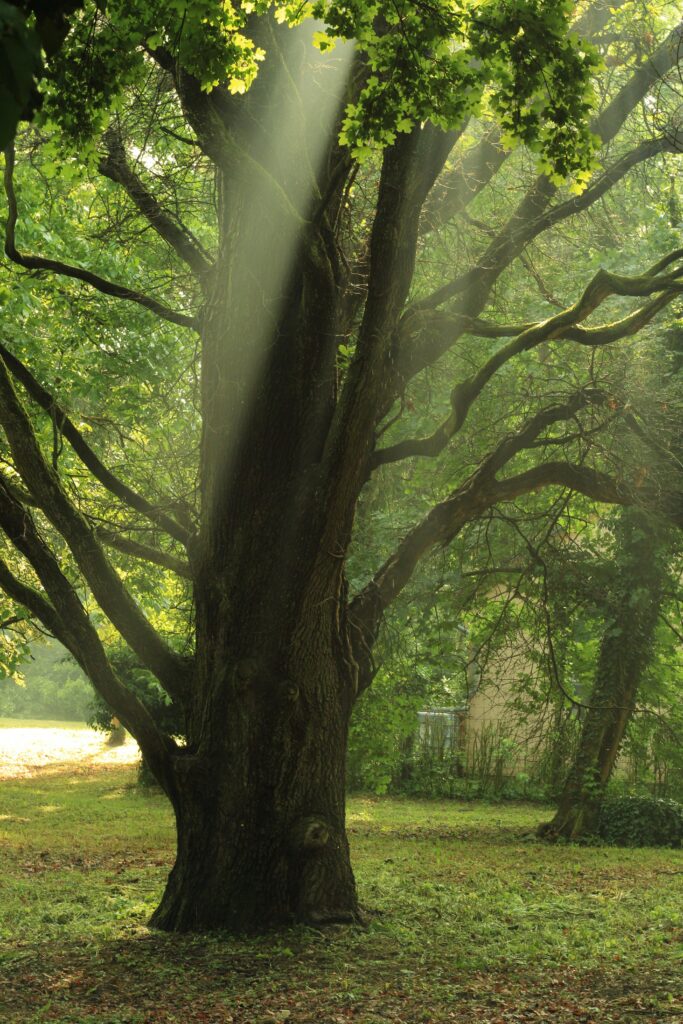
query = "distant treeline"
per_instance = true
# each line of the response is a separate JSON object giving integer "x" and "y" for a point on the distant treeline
{"x": 51, "y": 686}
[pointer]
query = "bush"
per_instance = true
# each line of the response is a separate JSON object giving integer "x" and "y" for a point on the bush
{"x": 641, "y": 821}
{"x": 145, "y": 687}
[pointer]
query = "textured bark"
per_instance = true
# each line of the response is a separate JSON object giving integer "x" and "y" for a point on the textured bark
{"x": 624, "y": 654}
{"x": 261, "y": 794}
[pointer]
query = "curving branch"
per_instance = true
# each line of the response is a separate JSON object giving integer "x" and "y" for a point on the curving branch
{"x": 469, "y": 501}
{"x": 64, "y": 615}
{"x": 101, "y": 284}
{"x": 421, "y": 342}
{"x": 145, "y": 552}
{"x": 562, "y": 326}
{"x": 88, "y": 457}
{"x": 43, "y": 483}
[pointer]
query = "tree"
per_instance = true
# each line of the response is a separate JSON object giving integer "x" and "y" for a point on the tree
{"x": 625, "y": 649}
{"x": 311, "y": 322}
{"x": 634, "y": 608}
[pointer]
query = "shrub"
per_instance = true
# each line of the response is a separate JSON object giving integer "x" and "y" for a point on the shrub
{"x": 641, "y": 821}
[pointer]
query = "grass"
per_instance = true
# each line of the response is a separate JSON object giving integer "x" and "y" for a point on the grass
{"x": 472, "y": 920}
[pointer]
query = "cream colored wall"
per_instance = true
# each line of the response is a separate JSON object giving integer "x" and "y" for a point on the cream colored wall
{"x": 491, "y": 710}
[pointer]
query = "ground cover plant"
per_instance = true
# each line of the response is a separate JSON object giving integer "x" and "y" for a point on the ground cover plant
{"x": 469, "y": 917}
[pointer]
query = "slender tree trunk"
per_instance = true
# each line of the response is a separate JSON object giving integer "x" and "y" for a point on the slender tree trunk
{"x": 624, "y": 654}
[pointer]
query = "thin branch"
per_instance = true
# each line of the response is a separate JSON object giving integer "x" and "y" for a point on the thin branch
{"x": 33, "y": 601}
{"x": 85, "y": 453}
{"x": 101, "y": 284}
{"x": 171, "y": 669}
{"x": 456, "y": 189}
{"x": 561, "y": 326}
{"x": 533, "y": 218}
{"x": 144, "y": 552}
{"x": 115, "y": 166}
{"x": 676, "y": 632}
{"x": 477, "y": 494}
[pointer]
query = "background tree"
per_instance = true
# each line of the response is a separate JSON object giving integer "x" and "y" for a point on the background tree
{"x": 626, "y": 646}
{"x": 300, "y": 313}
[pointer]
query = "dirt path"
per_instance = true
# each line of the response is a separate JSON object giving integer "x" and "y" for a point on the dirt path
{"x": 26, "y": 751}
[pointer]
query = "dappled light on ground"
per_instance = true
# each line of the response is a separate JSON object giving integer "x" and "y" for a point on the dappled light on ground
{"x": 28, "y": 749}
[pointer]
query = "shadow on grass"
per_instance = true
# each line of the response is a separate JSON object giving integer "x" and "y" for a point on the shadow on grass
{"x": 305, "y": 977}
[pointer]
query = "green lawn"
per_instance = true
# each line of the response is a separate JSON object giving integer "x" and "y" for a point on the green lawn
{"x": 471, "y": 920}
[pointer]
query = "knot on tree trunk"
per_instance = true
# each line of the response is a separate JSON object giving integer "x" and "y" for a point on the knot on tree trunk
{"x": 546, "y": 830}
{"x": 310, "y": 834}
{"x": 291, "y": 691}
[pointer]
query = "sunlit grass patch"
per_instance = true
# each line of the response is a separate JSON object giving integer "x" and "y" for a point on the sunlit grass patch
{"x": 33, "y": 747}
{"x": 39, "y": 723}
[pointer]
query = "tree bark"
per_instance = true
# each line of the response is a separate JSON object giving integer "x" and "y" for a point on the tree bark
{"x": 260, "y": 802}
{"x": 624, "y": 654}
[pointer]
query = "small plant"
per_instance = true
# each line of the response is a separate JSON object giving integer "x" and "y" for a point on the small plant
{"x": 641, "y": 821}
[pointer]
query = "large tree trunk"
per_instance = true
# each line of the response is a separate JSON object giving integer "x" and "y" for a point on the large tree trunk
{"x": 624, "y": 655}
{"x": 260, "y": 791}
{"x": 260, "y": 803}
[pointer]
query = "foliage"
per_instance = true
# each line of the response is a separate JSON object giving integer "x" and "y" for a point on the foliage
{"x": 19, "y": 64}
{"x": 641, "y": 821}
{"x": 225, "y": 535}
{"x": 437, "y": 65}
{"x": 421, "y": 663}
{"x": 146, "y": 688}
{"x": 29, "y": 29}
{"x": 437, "y": 62}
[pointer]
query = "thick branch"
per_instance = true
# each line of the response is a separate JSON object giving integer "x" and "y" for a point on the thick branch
{"x": 107, "y": 587}
{"x": 85, "y": 453}
{"x": 116, "y": 167}
{"x": 561, "y": 326}
{"x": 66, "y": 617}
{"x": 101, "y": 284}
{"x": 408, "y": 170}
